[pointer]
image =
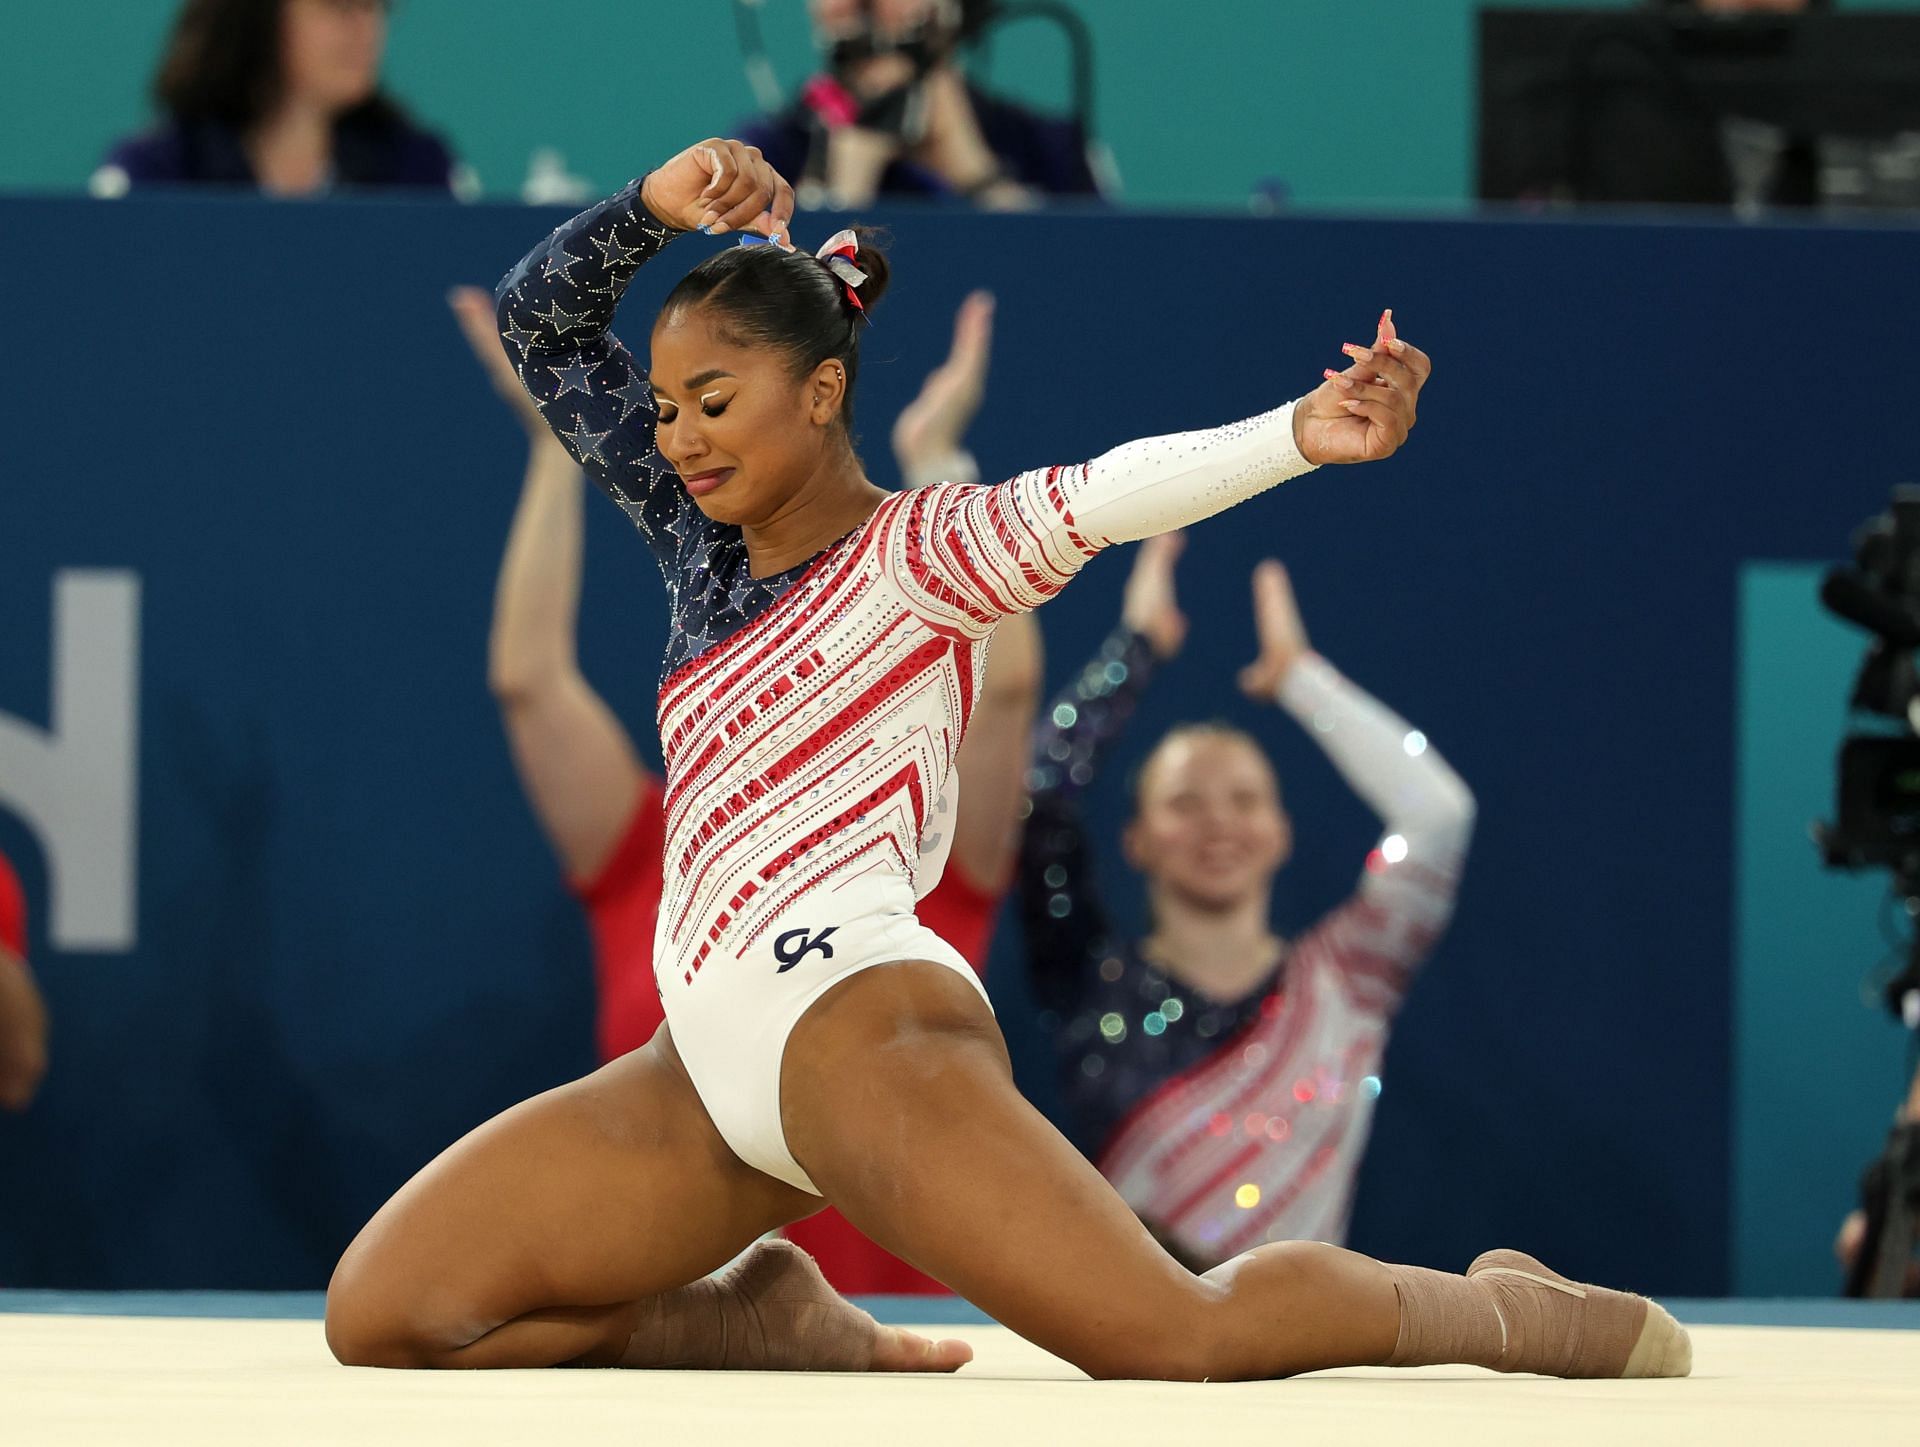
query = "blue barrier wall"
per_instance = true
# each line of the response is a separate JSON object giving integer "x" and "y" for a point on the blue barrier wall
{"x": 351, "y": 943}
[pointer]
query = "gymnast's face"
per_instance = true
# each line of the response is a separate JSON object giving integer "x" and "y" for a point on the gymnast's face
{"x": 1208, "y": 826}
{"x": 742, "y": 430}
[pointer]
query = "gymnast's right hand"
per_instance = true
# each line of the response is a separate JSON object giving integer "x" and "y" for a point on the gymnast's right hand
{"x": 721, "y": 186}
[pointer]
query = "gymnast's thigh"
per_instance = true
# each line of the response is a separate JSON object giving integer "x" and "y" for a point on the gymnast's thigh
{"x": 899, "y": 1102}
{"x": 605, "y": 1190}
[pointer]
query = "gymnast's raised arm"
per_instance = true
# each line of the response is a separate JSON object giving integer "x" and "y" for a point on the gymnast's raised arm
{"x": 1360, "y": 415}
{"x": 556, "y": 307}
{"x": 988, "y": 552}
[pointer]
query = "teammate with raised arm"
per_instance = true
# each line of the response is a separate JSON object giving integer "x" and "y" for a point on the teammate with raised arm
{"x": 826, "y": 643}
{"x": 1223, "y": 1078}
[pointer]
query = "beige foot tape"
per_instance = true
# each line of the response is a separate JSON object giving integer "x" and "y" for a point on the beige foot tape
{"x": 1512, "y": 1314}
{"x": 1563, "y": 1328}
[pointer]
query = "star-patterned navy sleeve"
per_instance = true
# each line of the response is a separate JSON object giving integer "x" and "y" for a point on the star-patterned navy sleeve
{"x": 1066, "y": 925}
{"x": 555, "y": 310}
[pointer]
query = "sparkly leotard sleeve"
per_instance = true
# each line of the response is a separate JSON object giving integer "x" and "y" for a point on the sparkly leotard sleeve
{"x": 1070, "y": 940}
{"x": 1379, "y": 937}
{"x": 556, "y": 311}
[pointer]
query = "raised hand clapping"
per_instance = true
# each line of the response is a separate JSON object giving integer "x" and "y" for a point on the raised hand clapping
{"x": 1283, "y": 637}
{"x": 1149, "y": 606}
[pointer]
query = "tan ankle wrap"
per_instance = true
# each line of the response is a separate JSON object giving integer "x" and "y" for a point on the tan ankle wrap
{"x": 1513, "y": 1314}
{"x": 1444, "y": 1318}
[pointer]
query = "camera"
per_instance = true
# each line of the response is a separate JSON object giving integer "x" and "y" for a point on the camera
{"x": 1877, "y": 802}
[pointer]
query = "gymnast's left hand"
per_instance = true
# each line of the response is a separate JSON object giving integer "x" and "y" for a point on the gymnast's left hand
{"x": 721, "y": 186}
{"x": 1365, "y": 412}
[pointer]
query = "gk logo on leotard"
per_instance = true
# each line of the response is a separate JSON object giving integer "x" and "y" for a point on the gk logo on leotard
{"x": 796, "y": 944}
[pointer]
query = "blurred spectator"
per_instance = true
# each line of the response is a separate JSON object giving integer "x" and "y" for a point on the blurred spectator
{"x": 281, "y": 95}
{"x": 601, "y": 807}
{"x": 893, "y": 114}
{"x": 23, "y": 1017}
{"x": 1224, "y": 1078}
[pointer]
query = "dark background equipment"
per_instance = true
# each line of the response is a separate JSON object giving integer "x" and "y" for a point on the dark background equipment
{"x": 1877, "y": 800}
{"x": 1675, "y": 107}
{"x": 1877, "y": 825}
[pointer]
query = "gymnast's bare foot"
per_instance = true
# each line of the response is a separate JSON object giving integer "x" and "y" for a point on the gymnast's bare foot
{"x": 773, "y": 1311}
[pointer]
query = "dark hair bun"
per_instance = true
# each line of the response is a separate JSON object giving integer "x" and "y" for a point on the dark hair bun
{"x": 873, "y": 261}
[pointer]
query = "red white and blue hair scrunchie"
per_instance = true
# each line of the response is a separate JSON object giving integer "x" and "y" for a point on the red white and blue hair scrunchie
{"x": 838, "y": 255}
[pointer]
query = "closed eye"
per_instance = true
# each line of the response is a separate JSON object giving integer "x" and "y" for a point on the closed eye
{"x": 667, "y": 413}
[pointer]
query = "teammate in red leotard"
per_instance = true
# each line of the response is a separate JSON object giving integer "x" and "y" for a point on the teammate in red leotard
{"x": 826, "y": 644}
{"x": 23, "y": 1014}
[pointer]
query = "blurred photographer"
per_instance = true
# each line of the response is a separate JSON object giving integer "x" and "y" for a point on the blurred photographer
{"x": 893, "y": 114}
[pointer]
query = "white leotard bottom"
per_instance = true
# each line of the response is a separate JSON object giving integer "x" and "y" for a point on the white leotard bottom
{"x": 732, "y": 1032}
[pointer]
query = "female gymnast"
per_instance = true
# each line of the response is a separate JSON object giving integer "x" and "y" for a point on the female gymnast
{"x": 1224, "y": 1078}
{"x": 820, "y": 1044}
{"x": 602, "y": 808}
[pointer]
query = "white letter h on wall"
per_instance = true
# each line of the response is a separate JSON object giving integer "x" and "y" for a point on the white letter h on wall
{"x": 76, "y": 782}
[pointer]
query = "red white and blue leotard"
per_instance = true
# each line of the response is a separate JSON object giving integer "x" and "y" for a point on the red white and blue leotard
{"x": 809, "y": 720}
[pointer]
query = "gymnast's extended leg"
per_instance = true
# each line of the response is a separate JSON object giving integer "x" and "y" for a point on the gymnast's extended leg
{"x": 579, "y": 1228}
{"x": 898, "y": 1101}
